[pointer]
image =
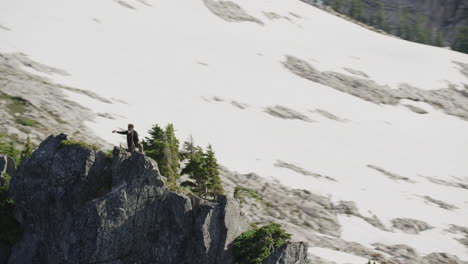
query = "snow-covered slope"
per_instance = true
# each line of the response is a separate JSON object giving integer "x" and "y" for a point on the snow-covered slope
{"x": 218, "y": 71}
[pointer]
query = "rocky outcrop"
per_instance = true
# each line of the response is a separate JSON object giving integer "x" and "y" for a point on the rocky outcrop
{"x": 403, "y": 254}
{"x": 76, "y": 205}
{"x": 449, "y": 100}
{"x": 264, "y": 202}
{"x": 461, "y": 230}
{"x": 307, "y": 216}
{"x": 410, "y": 226}
{"x": 230, "y": 11}
{"x": 314, "y": 218}
{"x": 442, "y": 258}
{"x": 289, "y": 253}
{"x": 284, "y": 112}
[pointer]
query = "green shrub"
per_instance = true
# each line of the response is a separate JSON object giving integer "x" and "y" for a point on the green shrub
{"x": 9, "y": 149}
{"x": 241, "y": 192}
{"x": 25, "y": 121}
{"x": 9, "y": 228}
{"x": 238, "y": 193}
{"x": 109, "y": 155}
{"x": 254, "y": 246}
{"x": 73, "y": 143}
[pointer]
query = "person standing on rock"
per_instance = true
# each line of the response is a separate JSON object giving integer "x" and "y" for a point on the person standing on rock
{"x": 132, "y": 138}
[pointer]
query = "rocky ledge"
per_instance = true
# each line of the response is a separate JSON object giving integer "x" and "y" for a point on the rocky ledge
{"x": 77, "y": 205}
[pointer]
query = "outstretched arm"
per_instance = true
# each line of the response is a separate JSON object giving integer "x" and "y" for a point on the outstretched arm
{"x": 123, "y": 132}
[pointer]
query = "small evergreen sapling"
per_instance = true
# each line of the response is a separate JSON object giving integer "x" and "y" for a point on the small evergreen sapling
{"x": 163, "y": 146}
{"x": 26, "y": 152}
{"x": 212, "y": 173}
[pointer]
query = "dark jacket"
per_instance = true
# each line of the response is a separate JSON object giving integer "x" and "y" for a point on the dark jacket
{"x": 132, "y": 137}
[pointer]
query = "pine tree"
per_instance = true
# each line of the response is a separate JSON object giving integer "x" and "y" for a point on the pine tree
{"x": 162, "y": 146}
{"x": 188, "y": 148}
{"x": 461, "y": 40}
{"x": 439, "y": 40}
{"x": 429, "y": 35}
{"x": 337, "y": 5}
{"x": 404, "y": 29}
{"x": 211, "y": 169}
{"x": 172, "y": 153}
{"x": 10, "y": 150}
{"x": 26, "y": 152}
{"x": 420, "y": 35}
{"x": 357, "y": 11}
{"x": 154, "y": 144}
{"x": 195, "y": 168}
{"x": 381, "y": 22}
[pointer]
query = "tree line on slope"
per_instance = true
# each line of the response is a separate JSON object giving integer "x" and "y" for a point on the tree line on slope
{"x": 415, "y": 29}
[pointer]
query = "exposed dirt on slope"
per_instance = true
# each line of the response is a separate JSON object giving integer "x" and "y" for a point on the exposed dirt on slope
{"x": 34, "y": 106}
{"x": 313, "y": 218}
{"x": 451, "y": 101}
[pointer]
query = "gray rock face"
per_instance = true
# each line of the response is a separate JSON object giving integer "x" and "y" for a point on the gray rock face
{"x": 77, "y": 206}
{"x": 289, "y": 253}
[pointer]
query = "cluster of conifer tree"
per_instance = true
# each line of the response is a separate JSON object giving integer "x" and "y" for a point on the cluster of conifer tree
{"x": 200, "y": 165}
{"x": 461, "y": 40}
{"x": 409, "y": 27}
{"x": 417, "y": 30}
